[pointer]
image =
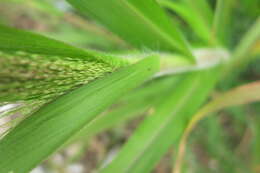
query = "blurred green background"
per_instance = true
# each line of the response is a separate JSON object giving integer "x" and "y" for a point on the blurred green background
{"x": 228, "y": 142}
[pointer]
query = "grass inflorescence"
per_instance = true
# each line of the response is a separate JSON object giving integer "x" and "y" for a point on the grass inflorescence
{"x": 25, "y": 76}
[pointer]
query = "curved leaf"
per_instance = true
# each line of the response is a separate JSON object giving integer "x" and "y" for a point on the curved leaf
{"x": 241, "y": 95}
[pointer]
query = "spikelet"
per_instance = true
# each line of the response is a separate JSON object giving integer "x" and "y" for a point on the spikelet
{"x": 35, "y": 79}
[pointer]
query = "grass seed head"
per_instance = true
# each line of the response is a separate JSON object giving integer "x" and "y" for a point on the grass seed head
{"x": 41, "y": 78}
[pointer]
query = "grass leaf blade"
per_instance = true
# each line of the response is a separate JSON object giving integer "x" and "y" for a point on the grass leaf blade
{"x": 165, "y": 127}
{"x": 221, "y": 22}
{"x": 191, "y": 17}
{"x": 45, "y": 131}
{"x": 140, "y": 22}
{"x": 18, "y": 40}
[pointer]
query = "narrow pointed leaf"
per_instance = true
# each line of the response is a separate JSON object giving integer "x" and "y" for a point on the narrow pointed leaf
{"x": 165, "y": 127}
{"x": 18, "y": 40}
{"x": 41, "y": 134}
{"x": 145, "y": 24}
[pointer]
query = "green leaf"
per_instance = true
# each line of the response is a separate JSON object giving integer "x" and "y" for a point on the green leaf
{"x": 192, "y": 17}
{"x": 160, "y": 130}
{"x": 221, "y": 22}
{"x": 18, "y": 40}
{"x": 131, "y": 105}
{"x": 35, "y": 69}
{"x": 133, "y": 21}
{"x": 202, "y": 8}
{"x": 41, "y": 134}
{"x": 241, "y": 95}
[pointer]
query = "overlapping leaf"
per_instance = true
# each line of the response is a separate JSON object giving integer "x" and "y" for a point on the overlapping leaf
{"x": 18, "y": 40}
{"x": 140, "y": 22}
{"x": 35, "y": 69}
{"x": 163, "y": 128}
{"x": 192, "y": 17}
{"x": 131, "y": 105}
{"x": 46, "y": 130}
